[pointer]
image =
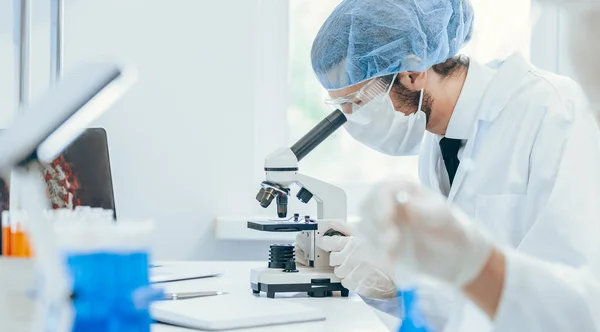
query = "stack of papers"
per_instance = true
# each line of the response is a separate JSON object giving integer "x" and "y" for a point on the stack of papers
{"x": 224, "y": 312}
{"x": 166, "y": 272}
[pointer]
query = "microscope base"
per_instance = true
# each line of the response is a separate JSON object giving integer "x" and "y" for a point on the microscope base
{"x": 317, "y": 282}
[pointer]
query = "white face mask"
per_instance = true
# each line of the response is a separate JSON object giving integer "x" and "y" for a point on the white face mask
{"x": 379, "y": 126}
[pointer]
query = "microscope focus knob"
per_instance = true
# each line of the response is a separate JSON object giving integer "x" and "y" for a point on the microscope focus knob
{"x": 304, "y": 196}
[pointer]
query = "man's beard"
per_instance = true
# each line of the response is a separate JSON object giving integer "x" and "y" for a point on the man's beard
{"x": 408, "y": 99}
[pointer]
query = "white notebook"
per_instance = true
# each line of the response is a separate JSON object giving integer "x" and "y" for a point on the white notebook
{"x": 224, "y": 312}
{"x": 166, "y": 273}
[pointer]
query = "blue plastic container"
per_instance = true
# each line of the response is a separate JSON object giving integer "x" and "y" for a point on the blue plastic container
{"x": 111, "y": 291}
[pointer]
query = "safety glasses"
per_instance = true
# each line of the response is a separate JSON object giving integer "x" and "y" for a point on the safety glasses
{"x": 352, "y": 102}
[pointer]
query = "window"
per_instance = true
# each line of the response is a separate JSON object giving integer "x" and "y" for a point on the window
{"x": 283, "y": 38}
{"x": 502, "y": 27}
{"x": 341, "y": 159}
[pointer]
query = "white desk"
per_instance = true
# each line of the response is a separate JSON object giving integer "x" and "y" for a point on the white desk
{"x": 343, "y": 314}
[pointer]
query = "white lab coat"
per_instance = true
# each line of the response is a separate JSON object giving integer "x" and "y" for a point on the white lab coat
{"x": 544, "y": 297}
{"x": 530, "y": 173}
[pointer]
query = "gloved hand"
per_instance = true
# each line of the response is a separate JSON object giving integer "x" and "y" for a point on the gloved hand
{"x": 303, "y": 242}
{"x": 423, "y": 235}
{"x": 353, "y": 264}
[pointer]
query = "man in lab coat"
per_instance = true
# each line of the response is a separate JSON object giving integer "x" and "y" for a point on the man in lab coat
{"x": 514, "y": 147}
{"x": 516, "y": 291}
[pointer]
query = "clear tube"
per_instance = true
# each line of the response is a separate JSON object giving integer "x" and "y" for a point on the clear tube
{"x": 52, "y": 304}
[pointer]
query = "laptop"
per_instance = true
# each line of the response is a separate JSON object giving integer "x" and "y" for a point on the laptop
{"x": 86, "y": 166}
{"x": 89, "y": 160}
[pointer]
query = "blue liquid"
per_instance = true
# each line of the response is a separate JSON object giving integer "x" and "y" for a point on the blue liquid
{"x": 413, "y": 320}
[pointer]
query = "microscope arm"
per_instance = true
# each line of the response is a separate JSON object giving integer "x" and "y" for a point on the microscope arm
{"x": 281, "y": 169}
{"x": 335, "y": 197}
{"x": 335, "y": 209}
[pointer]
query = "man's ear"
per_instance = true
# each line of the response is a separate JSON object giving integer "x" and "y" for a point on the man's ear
{"x": 413, "y": 80}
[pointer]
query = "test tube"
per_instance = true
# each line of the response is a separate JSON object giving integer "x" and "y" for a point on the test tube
{"x": 13, "y": 231}
{"x": 20, "y": 243}
{"x": 17, "y": 241}
{"x": 109, "y": 215}
{"x": 27, "y": 245}
{"x": 6, "y": 233}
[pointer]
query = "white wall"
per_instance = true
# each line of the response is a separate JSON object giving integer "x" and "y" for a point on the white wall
{"x": 182, "y": 141}
{"x": 565, "y": 41}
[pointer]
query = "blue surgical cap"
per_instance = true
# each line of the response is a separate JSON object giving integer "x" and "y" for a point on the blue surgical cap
{"x": 363, "y": 39}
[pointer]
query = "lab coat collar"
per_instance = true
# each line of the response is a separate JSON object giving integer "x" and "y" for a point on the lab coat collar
{"x": 463, "y": 119}
{"x": 504, "y": 86}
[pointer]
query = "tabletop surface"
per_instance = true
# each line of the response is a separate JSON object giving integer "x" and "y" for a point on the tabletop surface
{"x": 343, "y": 314}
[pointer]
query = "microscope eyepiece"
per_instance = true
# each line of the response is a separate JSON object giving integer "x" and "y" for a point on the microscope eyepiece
{"x": 318, "y": 134}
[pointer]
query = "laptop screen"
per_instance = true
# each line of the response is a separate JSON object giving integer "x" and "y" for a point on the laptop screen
{"x": 89, "y": 162}
{"x": 81, "y": 176}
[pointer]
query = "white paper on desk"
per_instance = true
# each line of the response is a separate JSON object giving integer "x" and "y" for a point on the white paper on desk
{"x": 176, "y": 272}
{"x": 225, "y": 312}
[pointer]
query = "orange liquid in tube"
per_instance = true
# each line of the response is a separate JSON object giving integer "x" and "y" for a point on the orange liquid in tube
{"x": 6, "y": 234}
{"x": 18, "y": 244}
{"x": 19, "y": 239}
{"x": 28, "y": 247}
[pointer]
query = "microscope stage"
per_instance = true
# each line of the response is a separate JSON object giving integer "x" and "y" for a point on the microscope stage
{"x": 317, "y": 282}
{"x": 282, "y": 226}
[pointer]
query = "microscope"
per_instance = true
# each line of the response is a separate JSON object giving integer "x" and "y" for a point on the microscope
{"x": 283, "y": 274}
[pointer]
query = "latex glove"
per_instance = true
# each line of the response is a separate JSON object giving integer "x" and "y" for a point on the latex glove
{"x": 353, "y": 264}
{"x": 423, "y": 235}
{"x": 303, "y": 242}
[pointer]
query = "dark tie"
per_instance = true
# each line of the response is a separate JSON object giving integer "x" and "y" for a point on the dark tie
{"x": 450, "y": 147}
